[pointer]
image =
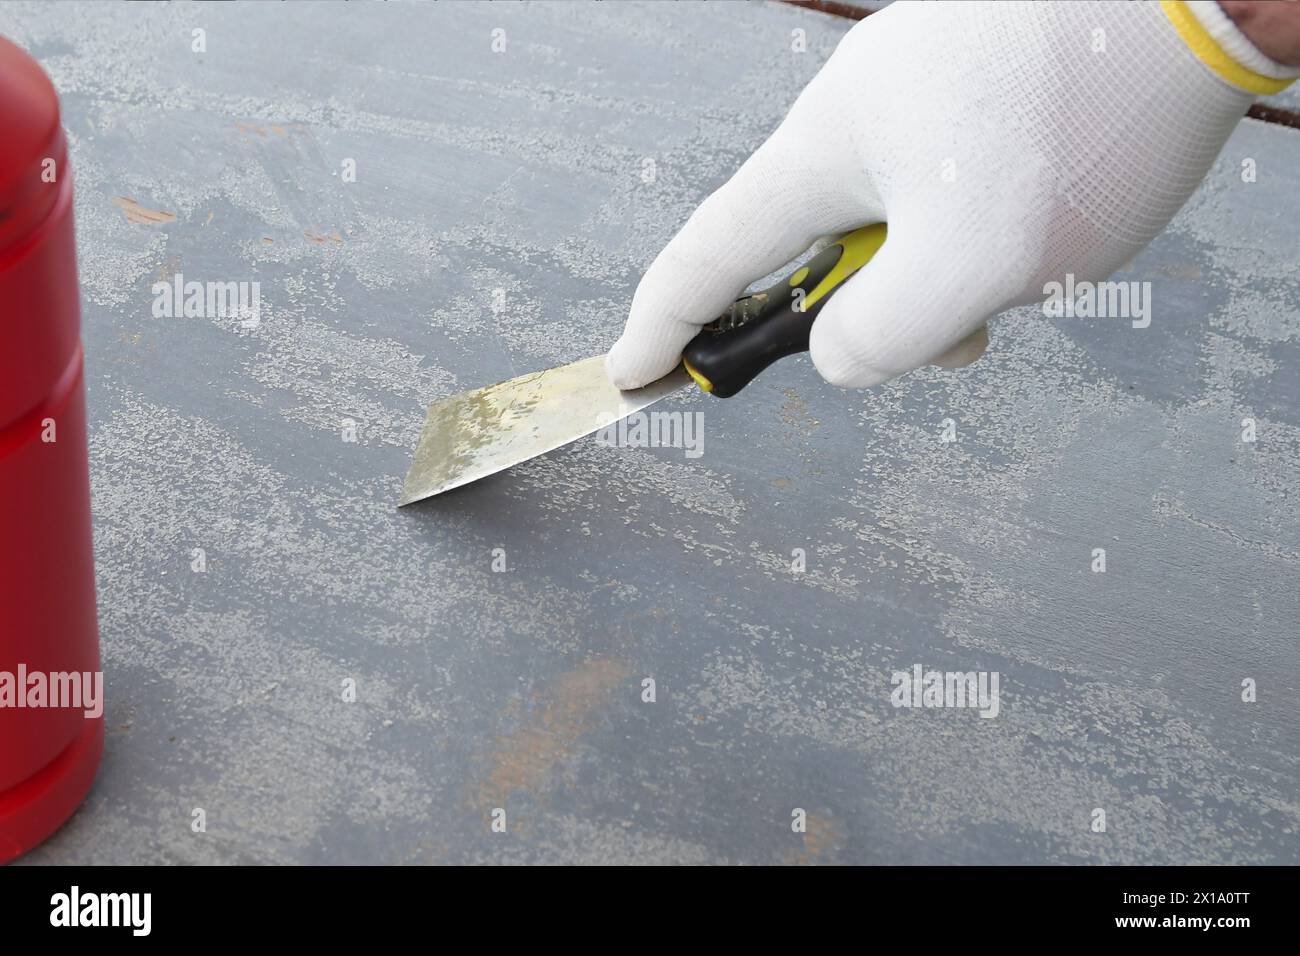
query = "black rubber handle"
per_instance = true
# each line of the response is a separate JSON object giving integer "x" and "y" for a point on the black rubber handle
{"x": 760, "y": 328}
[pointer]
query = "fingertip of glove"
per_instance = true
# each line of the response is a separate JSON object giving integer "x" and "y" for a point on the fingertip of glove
{"x": 837, "y": 367}
{"x": 859, "y": 376}
{"x": 620, "y": 372}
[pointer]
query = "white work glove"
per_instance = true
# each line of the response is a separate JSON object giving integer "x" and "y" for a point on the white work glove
{"x": 1005, "y": 144}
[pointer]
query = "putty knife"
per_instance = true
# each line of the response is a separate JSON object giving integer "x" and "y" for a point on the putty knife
{"x": 483, "y": 431}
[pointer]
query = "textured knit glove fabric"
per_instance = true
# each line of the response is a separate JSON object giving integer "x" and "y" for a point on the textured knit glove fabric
{"x": 1005, "y": 144}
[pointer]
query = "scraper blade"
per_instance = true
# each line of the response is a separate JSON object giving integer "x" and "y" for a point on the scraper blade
{"x": 480, "y": 432}
{"x": 476, "y": 434}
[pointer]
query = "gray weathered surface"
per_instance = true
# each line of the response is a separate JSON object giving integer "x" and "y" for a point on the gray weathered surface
{"x": 522, "y": 171}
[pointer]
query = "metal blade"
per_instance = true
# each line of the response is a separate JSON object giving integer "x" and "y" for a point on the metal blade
{"x": 478, "y": 433}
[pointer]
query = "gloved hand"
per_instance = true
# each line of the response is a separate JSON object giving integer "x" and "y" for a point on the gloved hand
{"x": 1005, "y": 144}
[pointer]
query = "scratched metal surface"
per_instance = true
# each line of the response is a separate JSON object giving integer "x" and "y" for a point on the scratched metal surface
{"x": 522, "y": 171}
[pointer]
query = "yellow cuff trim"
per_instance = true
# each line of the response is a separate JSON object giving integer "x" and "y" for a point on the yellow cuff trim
{"x": 1208, "y": 51}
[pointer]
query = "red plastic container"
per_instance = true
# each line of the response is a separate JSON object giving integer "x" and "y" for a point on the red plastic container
{"x": 48, "y": 755}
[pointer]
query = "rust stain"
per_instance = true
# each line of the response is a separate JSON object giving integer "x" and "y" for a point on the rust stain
{"x": 795, "y": 411}
{"x": 834, "y": 7}
{"x": 168, "y": 269}
{"x": 267, "y": 240}
{"x": 124, "y": 727}
{"x": 319, "y": 239}
{"x": 141, "y": 215}
{"x": 563, "y": 713}
{"x": 1186, "y": 271}
{"x": 821, "y": 838}
{"x": 1275, "y": 115}
{"x": 261, "y": 130}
